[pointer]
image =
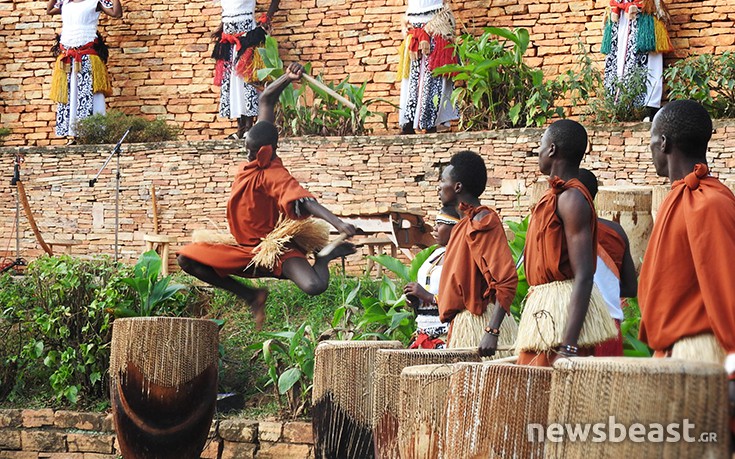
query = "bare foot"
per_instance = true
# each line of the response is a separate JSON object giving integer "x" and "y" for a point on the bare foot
{"x": 257, "y": 307}
{"x": 342, "y": 250}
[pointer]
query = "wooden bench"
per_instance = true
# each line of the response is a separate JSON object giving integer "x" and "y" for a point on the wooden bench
{"x": 67, "y": 245}
{"x": 160, "y": 243}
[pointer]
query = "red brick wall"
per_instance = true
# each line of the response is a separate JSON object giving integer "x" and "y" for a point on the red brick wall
{"x": 351, "y": 175}
{"x": 160, "y": 51}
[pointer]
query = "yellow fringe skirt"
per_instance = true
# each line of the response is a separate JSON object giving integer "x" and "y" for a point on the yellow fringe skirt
{"x": 545, "y": 315}
{"x": 467, "y": 330}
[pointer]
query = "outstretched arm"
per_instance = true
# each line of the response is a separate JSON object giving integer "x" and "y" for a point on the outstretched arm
{"x": 269, "y": 96}
{"x": 272, "y": 10}
{"x": 576, "y": 215}
{"x": 51, "y": 7}
{"x": 115, "y": 10}
{"x": 319, "y": 211}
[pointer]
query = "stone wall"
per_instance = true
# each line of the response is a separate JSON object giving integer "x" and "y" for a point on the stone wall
{"x": 160, "y": 62}
{"x": 351, "y": 176}
{"x": 49, "y": 434}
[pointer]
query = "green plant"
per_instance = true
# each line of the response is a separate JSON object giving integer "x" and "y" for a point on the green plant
{"x": 517, "y": 245}
{"x": 707, "y": 79}
{"x": 289, "y": 357}
{"x": 629, "y": 327}
{"x": 308, "y": 110}
{"x": 498, "y": 89}
{"x": 4, "y": 132}
{"x": 56, "y": 337}
{"x": 614, "y": 100}
{"x": 152, "y": 292}
{"x": 110, "y": 127}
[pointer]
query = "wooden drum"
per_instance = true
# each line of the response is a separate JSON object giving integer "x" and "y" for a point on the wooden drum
{"x": 343, "y": 398}
{"x": 489, "y": 408}
{"x": 163, "y": 387}
{"x": 648, "y": 392}
{"x": 658, "y": 195}
{"x": 389, "y": 363}
{"x": 631, "y": 207}
{"x": 421, "y": 410}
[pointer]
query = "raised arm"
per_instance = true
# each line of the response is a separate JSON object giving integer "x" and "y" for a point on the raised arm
{"x": 115, "y": 10}
{"x": 576, "y": 215}
{"x": 272, "y": 9}
{"x": 269, "y": 96}
{"x": 52, "y": 8}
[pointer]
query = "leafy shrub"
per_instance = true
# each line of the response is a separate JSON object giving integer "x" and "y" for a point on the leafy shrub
{"x": 52, "y": 322}
{"x": 517, "y": 245}
{"x": 4, "y": 132}
{"x": 623, "y": 100}
{"x": 307, "y": 110}
{"x": 109, "y": 128}
{"x": 498, "y": 90}
{"x": 707, "y": 79}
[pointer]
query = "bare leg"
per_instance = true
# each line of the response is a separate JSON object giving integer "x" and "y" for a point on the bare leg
{"x": 314, "y": 280}
{"x": 255, "y": 297}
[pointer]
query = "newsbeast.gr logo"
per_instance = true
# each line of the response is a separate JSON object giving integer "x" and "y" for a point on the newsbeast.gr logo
{"x": 616, "y": 432}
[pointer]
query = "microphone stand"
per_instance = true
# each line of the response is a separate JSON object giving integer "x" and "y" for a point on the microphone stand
{"x": 14, "y": 182}
{"x": 115, "y": 151}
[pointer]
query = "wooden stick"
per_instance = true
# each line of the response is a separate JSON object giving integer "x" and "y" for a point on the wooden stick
{"x": 314, "y": 82}
{"x": 155, "y": 209}
{"x": 329, "y": 247}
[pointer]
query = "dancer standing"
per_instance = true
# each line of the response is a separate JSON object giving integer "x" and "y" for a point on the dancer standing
{"x": 686, "y": 294}
{"x": 564, "y": 312}
{"x": 634, "y": 39}
{"x": 428, "y": 30}
{"x": 264, "y": 192}
{"x": 431, "y": 333}
{"x": 80, "y": 80}
{"x": 479, "y": 278}
{"x": 238, "y": 60}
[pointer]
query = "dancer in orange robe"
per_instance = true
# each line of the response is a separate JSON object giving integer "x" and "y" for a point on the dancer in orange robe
{"x": 686, "y": 294}
{"x": 564, "y": 314}
{"x": 479, "y": 278}
{"x": 615, "y": 274}
{"x": 263, "y": 189}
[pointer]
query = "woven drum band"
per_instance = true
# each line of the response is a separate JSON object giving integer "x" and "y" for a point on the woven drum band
{"x": 468, "y": 330}
{"x": 421, "y": 415}
{"x": 389, "y": 363}
{"x": 545, "y": 317}
{"x": 638, "y": 390}
{"x": 657, "y": 197}
{"x": 624, "y": 198}
{"x": 345, "y": 369}
{"x": 169, "y": 351}
{"x": 489, "y": 406}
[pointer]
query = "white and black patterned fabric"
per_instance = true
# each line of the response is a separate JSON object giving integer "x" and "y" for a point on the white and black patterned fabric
{"x": 237, "y": 98}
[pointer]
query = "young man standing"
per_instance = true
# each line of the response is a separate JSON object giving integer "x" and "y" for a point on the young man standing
{"x": 479, "y": 278}
{"x": 686, "y": 286}
{"x": 564, "y": 313}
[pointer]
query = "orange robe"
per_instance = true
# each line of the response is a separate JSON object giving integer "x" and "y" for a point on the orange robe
{"x": 478, "y": 267}
{"x": 612, "y": 243}
{"x": 262, "y": 190}
{"x": 686, "y": 281}
{"x": 546, "y": 254}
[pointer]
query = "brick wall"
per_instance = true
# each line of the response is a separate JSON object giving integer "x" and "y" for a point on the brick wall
{"x": 49, "y": 434}
{"x": 351, "y": 175}
{"x": 160, "y": 52}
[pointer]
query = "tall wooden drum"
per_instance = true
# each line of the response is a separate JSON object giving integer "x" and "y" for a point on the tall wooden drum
{"x": 386, "y": 389}
{"x": 422, "y": 410}
{"x": 163, "y": 373}
{"x": 489, "y": 408}
{"x": 343, "y": 398}
{"x": 654, "y": 395}
{"x": 631, "y": 207}
{"x": 658, "y": 195}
